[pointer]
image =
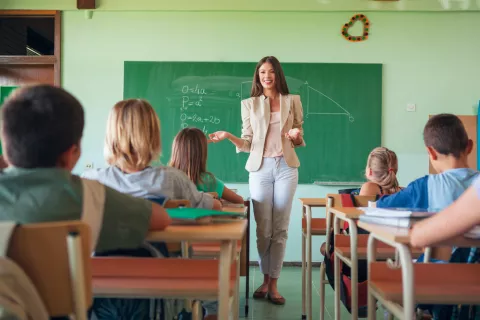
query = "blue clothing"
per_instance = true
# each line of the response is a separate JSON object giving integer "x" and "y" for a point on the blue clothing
{"x": 433, "y": 192}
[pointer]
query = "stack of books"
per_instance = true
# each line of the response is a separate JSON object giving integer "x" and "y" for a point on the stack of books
{"x": 394, "y": 217}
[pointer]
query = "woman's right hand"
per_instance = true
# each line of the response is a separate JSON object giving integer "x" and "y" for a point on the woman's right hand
{"x": 219, "y": 136}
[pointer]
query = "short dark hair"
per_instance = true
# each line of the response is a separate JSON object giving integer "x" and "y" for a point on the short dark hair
{"x": 280, "y": 81}
{"x": 446, "y": 134}
{"x": 39, "y": 123}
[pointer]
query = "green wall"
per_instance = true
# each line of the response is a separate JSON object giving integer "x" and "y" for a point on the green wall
{"x": 430, "y": 59}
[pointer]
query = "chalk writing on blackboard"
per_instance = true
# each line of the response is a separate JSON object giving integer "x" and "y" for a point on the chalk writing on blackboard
{"x": 314, "y": 104}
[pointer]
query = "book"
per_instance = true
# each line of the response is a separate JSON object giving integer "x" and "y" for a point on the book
{"x": 185, "y": 215}
{"x": 227, "y": 204}
{"x": 397, "y": 212}
{"x": 474, "y": 233}
{"x": 390, "y": 221}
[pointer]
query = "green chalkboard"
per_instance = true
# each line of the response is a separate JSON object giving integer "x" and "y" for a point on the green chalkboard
{"x": 4, "y": 93}
{"x": 342, "y": 106}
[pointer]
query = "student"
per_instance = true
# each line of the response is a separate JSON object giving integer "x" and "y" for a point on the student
{"x": 41, "y": 132}
{"x": 446, "y": 225}
{"x": 132, "y": 142}
{"x": 448, "y": 147}
{"x": 381, "y": 171}
{"x": 189, "y": 154}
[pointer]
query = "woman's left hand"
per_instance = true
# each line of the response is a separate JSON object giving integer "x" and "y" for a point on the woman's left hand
{"x": 294, "y": 135}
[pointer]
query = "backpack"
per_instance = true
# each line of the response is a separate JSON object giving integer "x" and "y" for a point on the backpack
{"x": 348, "y": 200}
{"x": 19, "y": 298}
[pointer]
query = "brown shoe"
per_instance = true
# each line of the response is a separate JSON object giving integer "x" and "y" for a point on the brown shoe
{"x": 258, "y": 294}
{"x": 278, "y": 301}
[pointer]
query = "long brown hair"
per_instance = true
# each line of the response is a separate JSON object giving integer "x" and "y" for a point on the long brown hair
{"x": 189, "y": 154}
{"x": 133, "y": 139}
{"x": 384, "y": 165}
{"x": 280, "y": 82}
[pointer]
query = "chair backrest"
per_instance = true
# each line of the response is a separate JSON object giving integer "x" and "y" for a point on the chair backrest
{"x": 41, "y": 250}
{"x": 334, "y": 200}
{"x": 158, "y": 199}
{"x": 213, "y": 194}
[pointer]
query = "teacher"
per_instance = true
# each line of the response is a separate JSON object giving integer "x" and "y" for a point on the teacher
{"x": 272, "y": 122}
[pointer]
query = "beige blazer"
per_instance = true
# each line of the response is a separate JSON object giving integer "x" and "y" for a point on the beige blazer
{"x": 255, "y": 122}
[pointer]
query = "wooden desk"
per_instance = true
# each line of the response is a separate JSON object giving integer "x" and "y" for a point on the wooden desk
{"x": 227, "y": 233}
{"x": 307, "y": 205}
{"x": 347, "y": 212}
{"x": 402, "y": 303}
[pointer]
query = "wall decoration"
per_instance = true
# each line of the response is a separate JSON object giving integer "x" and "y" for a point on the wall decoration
{"x": 366, "y": 28}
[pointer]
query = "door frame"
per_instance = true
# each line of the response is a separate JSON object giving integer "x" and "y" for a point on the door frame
{"x": 54, "y": 60}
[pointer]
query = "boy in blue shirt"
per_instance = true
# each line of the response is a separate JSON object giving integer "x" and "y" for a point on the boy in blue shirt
{"x": 448, "y": 147}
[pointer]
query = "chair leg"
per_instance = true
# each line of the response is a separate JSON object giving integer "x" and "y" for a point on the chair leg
{"x": 304, "y": 315}
{"x": 77, "y": 275}
{"x": 196, "y": 314}
{"x": 322, "y": 291}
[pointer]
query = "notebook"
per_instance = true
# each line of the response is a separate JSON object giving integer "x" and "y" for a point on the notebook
{"x": 473, "y": 233}
{"x": 397, "y": 212}
{"x": 226, "y": 203}
{"x": 185, "y": 215}
{"x": 390, "y": 221}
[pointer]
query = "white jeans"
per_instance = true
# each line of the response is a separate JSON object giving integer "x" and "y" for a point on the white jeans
{"x": 272, "y": 188}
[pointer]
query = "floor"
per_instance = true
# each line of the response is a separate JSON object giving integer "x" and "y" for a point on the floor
{"x": 290, "y": 286}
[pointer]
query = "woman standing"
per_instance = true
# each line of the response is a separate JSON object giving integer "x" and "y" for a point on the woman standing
{"x": 271, "y": 128}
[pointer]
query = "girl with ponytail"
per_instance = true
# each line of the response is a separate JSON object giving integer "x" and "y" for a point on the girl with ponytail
{"x": 381, "y": 172}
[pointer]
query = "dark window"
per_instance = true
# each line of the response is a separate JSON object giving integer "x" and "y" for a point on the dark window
{"x": 32, "y": 36}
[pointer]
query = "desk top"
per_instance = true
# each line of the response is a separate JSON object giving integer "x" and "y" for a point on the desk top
{"x": 402, "y": 235}
{"x": 347, "y": 212}
{"x": 314, "y": 202}
{"x": 233, "y": 230}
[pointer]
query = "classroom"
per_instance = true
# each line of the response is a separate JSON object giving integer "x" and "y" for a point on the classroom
{"x": 420, "y": 59}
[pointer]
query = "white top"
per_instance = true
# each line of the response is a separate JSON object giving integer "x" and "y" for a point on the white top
{"x": 273, "y": 141}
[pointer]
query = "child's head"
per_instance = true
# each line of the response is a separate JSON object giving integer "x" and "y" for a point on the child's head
{"x": 382, "y": 168}
{"x": 41, "y": 128}
{"x": 189, "y": 153}
{"x": 133, "y": 140}
{"x": 447, "y": 142}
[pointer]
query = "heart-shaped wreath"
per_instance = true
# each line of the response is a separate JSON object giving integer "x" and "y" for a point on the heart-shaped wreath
{"x": 348, "y": 25}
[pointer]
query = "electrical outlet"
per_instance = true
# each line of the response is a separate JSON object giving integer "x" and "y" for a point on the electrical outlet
{"x": 411, "y": 107}
{"x": 89, "y": 165}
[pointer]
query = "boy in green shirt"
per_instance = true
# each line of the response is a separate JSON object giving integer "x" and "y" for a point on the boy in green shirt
{"x": 41, "y": 132}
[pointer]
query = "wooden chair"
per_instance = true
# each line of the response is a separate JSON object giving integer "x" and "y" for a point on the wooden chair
{"x": 310, "y": 227}
{"x": 56, "y": 258}
{"x": 450, "y": 284}
{"x": 344, "y": 248}
{"x": 334, "y": 200}
{"x": 213, "y": 194}
{"x": 126, "y": 277}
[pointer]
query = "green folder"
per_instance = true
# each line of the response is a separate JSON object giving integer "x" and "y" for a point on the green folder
{"x": 198, "y": 215}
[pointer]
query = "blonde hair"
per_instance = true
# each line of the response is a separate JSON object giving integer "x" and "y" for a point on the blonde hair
{"x": 133, "y": 135}
{"x": 383, "y": 164}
